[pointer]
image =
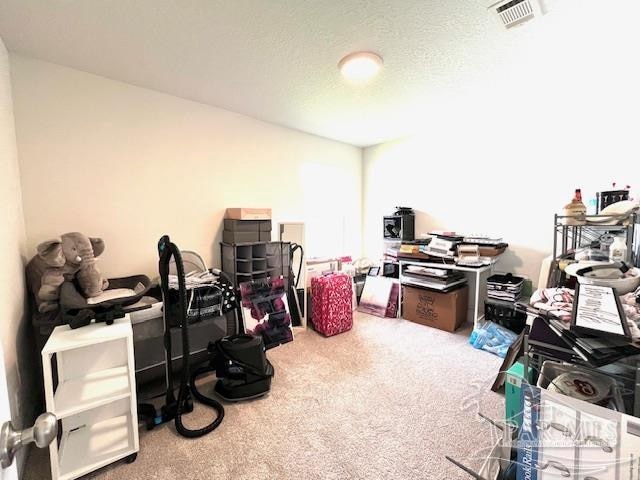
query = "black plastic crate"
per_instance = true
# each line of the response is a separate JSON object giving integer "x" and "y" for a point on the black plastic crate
{"x": 505, "y": 314}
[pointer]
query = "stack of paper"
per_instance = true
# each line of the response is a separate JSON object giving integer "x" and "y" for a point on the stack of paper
{"x": 435, "y": 278}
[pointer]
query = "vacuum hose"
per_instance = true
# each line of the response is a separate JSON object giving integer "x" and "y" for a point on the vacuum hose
{"x": 294, "y": 247}
{"x": 166, "y": 250}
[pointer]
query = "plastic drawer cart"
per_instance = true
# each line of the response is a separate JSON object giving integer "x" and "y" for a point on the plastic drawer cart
{"x": 89, "y": 380}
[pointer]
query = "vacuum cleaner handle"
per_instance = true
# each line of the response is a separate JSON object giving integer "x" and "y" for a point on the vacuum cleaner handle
{"x": 167, "y": 250}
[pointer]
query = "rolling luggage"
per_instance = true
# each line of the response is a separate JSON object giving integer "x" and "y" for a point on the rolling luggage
{"x": 331, "y": 297}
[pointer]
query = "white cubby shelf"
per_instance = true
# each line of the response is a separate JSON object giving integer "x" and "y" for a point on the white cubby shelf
{"x": 89, "y": 378}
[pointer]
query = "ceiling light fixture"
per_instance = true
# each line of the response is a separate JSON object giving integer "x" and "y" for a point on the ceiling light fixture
{"x": 360, "y": 67}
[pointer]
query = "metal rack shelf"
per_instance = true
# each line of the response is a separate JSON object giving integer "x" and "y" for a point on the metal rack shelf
{"x": 567, "y": 236}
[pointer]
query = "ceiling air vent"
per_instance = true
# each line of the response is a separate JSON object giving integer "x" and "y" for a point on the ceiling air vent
{"x": 513, "y": 12}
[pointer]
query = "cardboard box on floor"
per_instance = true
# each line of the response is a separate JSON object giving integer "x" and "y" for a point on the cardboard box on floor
{"x": 445, "y": 311}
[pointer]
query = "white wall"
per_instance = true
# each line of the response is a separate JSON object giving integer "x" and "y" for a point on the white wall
{"x": 17, "y": 341}
{"x": 549, "y": 107}
{"x": 129, "y": 164}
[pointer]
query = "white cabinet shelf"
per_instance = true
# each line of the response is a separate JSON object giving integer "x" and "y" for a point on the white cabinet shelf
{"x": 91, "y": 447}
{"x": 89, "y": 379}
{"x": 93, "y": 390}
{"x": 64, "y": 338}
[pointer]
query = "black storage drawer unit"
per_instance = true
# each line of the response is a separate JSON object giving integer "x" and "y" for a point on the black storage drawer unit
{"x": 246, "y": 231}
{"x": 247, "y": 225}
{"x": 229, "y": 236}
{"x": 148, "y": 345}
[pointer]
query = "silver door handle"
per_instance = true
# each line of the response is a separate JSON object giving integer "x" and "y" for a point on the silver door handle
{"x": 42, "y": 434}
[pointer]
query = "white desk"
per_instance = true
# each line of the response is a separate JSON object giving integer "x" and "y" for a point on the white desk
{"x": 478, "y": 277}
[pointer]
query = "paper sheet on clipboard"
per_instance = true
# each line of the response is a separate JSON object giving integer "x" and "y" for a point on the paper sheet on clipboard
{"x": 598, "y": 309}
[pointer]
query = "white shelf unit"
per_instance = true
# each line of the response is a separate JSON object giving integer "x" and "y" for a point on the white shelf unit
{"x": 89, "y": 379}
{"x": 478, "y": 284}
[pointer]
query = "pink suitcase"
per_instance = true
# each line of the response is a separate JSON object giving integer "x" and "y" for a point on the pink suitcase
{"x": 331, "y": 310}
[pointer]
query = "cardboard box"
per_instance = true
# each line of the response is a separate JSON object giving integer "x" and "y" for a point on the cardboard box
{"x": 486, "y": 251}
{"x": 445, "y": 311}
{"x": 249, "y": 213}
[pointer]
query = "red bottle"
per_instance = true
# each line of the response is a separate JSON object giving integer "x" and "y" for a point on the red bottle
{"x": 578, "y": 196}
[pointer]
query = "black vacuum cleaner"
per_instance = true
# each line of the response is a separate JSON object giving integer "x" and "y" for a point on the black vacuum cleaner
{"x": 239, "y": 361}
{"x": 242, "y": 367}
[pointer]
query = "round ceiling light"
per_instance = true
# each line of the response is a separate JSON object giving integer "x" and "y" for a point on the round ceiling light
{"x": 360, "y": 67}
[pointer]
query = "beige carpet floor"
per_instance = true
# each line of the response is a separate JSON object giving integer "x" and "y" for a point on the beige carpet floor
{"x": 386, "y": 400}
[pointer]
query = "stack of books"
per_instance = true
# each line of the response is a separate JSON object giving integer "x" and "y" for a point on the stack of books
{"x": 483, "y": 240}
{"x": 413, "y": 249}
{"x": 506, "y": 288}
{"x": 391, "y": 254}
{"x": 434, "y": 278}
{"x": 488, "y": 246}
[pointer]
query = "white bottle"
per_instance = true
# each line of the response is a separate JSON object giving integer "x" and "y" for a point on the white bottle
{"x": 618, "y": 250}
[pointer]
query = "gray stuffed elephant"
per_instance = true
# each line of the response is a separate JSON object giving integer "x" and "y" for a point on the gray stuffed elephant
{"x": 73, "y": 255}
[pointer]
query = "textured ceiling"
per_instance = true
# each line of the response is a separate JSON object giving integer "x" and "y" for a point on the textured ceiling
{"x": 270, "y": 59}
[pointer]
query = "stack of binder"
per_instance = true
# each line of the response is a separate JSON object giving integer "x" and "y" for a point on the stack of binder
{"x": 556, "y": 335}
{"x": 433, "y": 278}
